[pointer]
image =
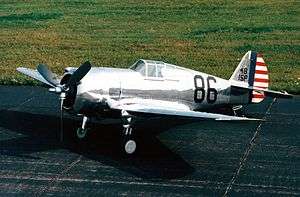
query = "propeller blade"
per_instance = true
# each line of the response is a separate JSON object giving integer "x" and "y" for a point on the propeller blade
{"x": 48, "y": 75}
{"x": 79, "y": 73}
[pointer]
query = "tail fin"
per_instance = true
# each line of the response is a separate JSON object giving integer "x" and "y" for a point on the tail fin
{"x": 252, "y": 72}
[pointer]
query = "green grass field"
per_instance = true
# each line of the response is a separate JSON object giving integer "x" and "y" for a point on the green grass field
{"x": 209, "y": 36}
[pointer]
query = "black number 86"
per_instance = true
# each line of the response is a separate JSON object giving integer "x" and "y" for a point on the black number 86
{"x": 199, "y": 94}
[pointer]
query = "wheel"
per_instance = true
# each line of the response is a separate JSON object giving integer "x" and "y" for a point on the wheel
{"x": 81, "y": 133}
{"x": 130, "y": 146}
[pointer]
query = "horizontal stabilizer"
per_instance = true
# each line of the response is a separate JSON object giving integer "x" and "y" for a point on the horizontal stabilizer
{"x": 267, "y": 92}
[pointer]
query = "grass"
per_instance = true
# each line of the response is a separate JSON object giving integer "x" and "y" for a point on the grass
{"x": 209, "y": 36}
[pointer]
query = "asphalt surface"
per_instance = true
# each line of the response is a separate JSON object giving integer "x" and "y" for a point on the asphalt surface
{"x": 174, "y": 157}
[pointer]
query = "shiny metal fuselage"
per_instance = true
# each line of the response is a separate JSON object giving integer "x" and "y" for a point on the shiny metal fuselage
{"x": 126, "y": 84}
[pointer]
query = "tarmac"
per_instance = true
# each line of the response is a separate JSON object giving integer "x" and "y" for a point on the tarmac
{"x": 174, "y": 157}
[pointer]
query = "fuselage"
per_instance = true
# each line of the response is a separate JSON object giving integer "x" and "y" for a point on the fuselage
{"x": 187, "y": 88}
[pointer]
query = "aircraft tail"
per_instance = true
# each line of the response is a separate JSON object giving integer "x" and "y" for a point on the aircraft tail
{"x": 252, "y": 72}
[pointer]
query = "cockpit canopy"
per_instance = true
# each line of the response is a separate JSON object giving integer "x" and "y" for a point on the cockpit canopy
{"x": 157, "y": 69}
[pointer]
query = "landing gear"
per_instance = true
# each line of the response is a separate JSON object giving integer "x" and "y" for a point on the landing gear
{"x": 128, "y": 143}
{"x": 81, "y": 132}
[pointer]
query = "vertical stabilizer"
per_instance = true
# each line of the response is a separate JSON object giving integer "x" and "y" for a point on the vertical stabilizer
{"x": 252, "y": 72}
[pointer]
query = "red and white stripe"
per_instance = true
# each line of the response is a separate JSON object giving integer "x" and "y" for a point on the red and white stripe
{"x": 261, "y": 79}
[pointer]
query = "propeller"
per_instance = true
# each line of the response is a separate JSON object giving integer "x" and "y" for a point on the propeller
{"x": 79, "y": 73}
{"x": 52, "y": 78}
{"x": 63, "y": 89}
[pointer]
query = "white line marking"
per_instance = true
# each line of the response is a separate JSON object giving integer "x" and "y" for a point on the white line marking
{"x": 23, "y": 103}
{"x": 172, "y": 183}
{"x": 57, "y": 177}
{"x": 247, "y": 152}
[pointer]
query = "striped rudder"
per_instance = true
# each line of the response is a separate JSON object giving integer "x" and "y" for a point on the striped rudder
{"x": 261, "y": 79}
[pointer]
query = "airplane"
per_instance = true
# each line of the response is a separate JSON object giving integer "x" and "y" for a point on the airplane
{"x": 154, "y": 88}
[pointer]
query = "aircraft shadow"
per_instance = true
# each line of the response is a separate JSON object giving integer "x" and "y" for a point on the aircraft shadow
{"x": 152, "y": 160}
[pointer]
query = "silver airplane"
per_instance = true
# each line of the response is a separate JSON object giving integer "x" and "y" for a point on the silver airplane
{"x": 156, "y": 88}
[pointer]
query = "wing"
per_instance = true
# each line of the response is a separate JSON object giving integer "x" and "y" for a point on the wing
{"x": 33, "y": 74}
{"x": 170, "y": 109}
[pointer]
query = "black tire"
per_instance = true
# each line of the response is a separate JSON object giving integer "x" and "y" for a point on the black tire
{"x": 129, "y": 145}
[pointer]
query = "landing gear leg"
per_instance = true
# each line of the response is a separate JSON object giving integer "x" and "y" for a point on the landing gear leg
{"x": 81, "y": 132}
{"x": 128, "y": 142}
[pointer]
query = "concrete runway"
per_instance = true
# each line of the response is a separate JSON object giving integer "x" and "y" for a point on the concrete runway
{"x": 203, "y": 158}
